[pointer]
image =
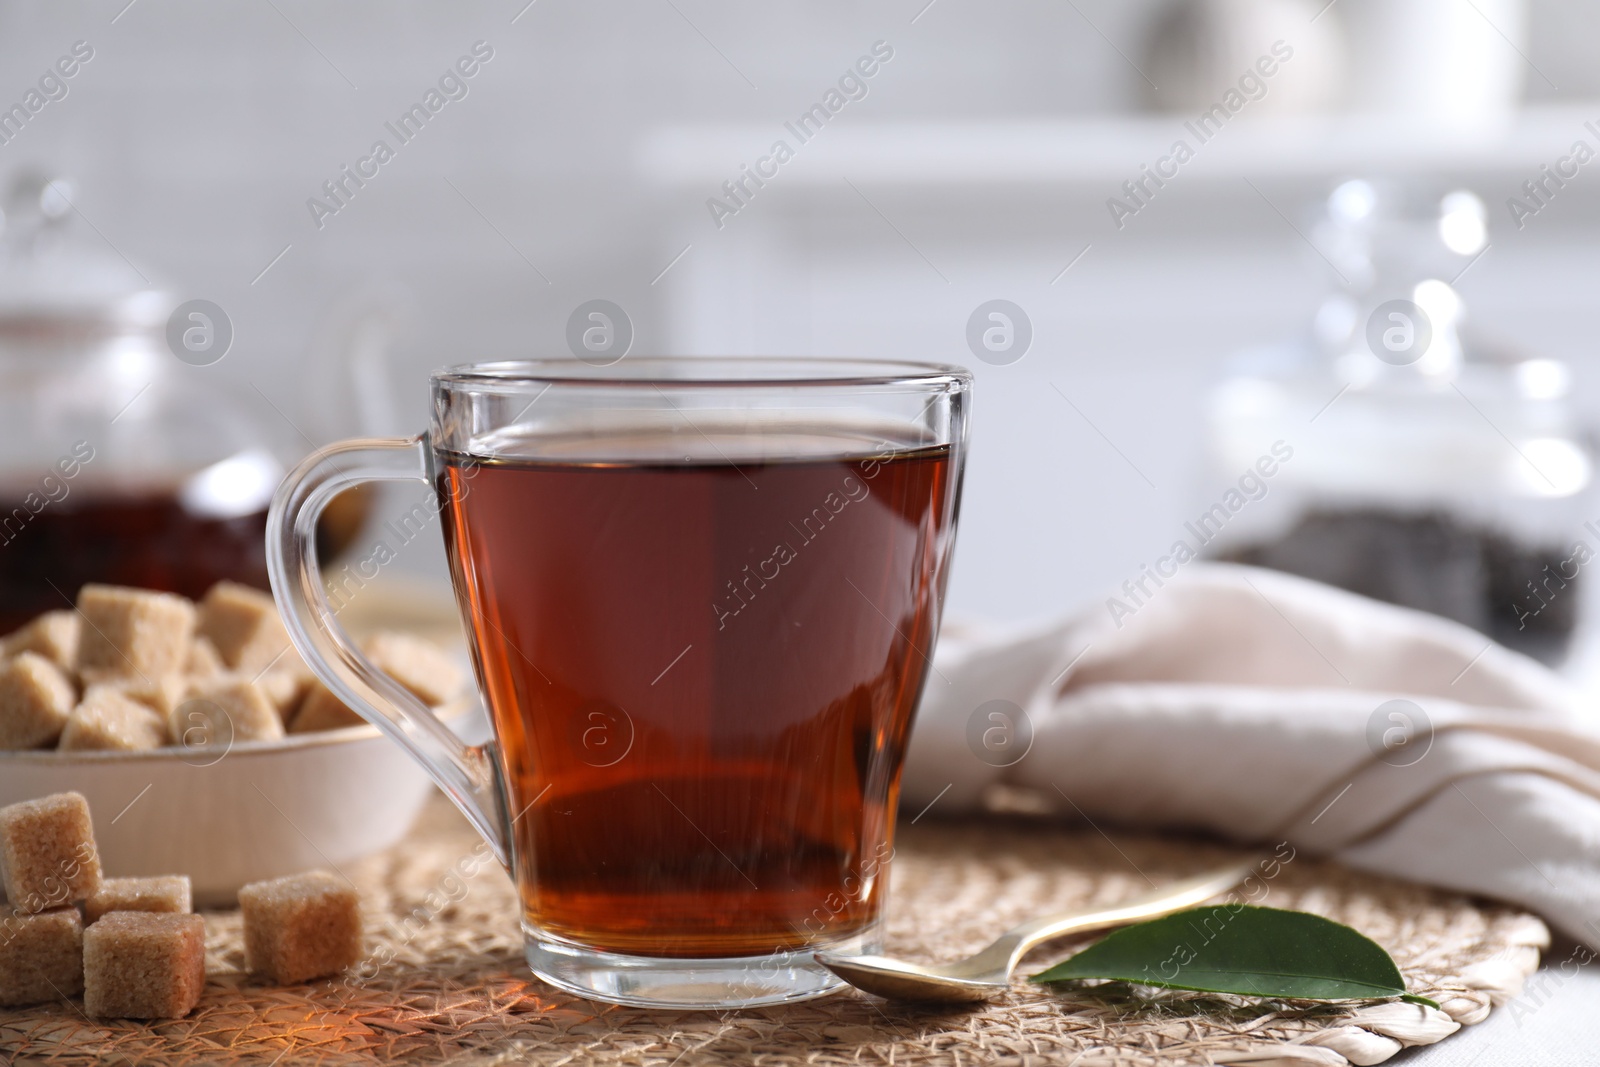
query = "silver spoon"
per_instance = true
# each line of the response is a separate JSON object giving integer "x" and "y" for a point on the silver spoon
{"x": 988, "y": 973}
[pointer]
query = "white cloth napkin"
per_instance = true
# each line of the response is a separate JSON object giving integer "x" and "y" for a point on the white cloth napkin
{"x": 1256, "y": 705}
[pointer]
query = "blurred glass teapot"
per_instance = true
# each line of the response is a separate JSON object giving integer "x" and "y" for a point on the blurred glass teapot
{"x": 118, "y": 463}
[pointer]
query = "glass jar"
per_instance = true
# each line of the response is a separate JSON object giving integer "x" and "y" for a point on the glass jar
{"x": 1406, "y": 460}
{"x": 118, "y": 461}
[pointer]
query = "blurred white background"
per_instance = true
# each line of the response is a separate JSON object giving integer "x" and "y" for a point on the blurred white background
{"x": 977, "y": 166}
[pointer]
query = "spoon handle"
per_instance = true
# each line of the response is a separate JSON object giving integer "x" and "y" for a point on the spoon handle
{"x": 1010, "y": 946}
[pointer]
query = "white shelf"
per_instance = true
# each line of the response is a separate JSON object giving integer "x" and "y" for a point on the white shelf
{"x": 1103, "y": 149}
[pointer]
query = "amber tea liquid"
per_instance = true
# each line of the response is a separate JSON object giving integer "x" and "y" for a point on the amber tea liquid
{"x": 144, "y": 538}
{"x": 702, "y": 669}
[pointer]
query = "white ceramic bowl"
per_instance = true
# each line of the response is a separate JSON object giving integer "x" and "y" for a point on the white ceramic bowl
{"x": 265, "y": 808}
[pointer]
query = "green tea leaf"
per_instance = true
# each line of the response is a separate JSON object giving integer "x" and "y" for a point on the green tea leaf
{"x": 1238, "y": 948}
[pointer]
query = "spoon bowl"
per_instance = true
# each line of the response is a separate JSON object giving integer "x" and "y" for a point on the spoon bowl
{"x": 988, "y": 973}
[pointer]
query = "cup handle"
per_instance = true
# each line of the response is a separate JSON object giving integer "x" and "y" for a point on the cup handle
{"x": 466, "y": 773}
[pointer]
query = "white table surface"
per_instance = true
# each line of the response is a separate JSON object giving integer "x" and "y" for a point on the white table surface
{"x": 1554, "y": 1023}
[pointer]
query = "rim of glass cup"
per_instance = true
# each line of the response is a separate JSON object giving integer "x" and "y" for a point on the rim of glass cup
{"x": 708, "y": 372}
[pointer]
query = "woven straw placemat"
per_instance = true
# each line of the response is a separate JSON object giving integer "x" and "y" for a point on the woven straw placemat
{"x": 447, "y": 984}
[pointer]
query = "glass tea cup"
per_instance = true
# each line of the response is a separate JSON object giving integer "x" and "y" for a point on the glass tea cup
{"x": 701, "y": 598}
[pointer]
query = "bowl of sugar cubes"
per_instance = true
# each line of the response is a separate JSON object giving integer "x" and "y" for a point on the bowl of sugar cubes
{"x": 133, "y": 948}
{"x": 201, "y": 739}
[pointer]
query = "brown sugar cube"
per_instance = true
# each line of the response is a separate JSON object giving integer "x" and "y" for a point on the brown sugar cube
{"x": 204, "y": 659}
{"x": 300, "y": 927}
{"x": 284, "y": 690}
{"x": 420, "y": 666}
{"x": 53, "y": 635}
{"x": 243, "y": 624}
{"x": 35, "y": 700}
{"x": 143, "y": 965}
{"x": 222, "y": 711}
{"x": 108, "y": 720}
{"x": 321, "y": 710}
{"x": 162, "y": 892}
{"x": 47, "y": 852}
{"x": 161, "y": 694}
{"x": 132, "y": 632}
{"x": 41, "y": 957}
